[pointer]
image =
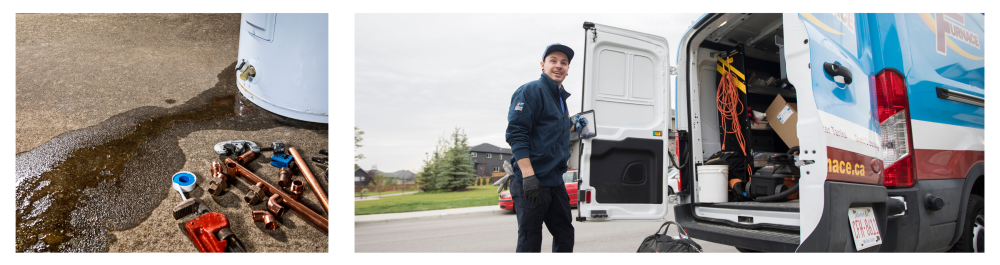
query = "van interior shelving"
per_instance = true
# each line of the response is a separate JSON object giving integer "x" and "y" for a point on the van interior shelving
{"x": 760, "y": 37}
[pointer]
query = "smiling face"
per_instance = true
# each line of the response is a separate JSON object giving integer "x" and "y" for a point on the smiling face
{"x": 556, "y": 66}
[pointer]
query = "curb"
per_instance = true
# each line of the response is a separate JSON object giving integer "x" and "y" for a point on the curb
{"x": 435, "y": 216}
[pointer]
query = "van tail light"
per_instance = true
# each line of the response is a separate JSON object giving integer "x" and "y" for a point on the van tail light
{"x": 894, "y": 123}
{"x": 588, "y": 197}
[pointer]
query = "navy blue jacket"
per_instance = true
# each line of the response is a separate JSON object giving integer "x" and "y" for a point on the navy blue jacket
{"x": 538, "y": 128}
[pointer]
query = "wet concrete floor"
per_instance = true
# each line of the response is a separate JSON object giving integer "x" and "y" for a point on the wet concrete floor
{"x": 106, "y": 186}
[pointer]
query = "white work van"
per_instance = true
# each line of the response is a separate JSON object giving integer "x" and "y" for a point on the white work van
{"x": 879, "y": 118}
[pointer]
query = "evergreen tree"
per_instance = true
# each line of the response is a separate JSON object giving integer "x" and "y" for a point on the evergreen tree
{"x": 460, "y": 172}
{"x": 427, "y": 178}
{"x": 451, "y": 167}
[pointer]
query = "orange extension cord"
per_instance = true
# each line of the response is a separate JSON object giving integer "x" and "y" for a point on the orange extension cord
{"x": 729, "y": 105}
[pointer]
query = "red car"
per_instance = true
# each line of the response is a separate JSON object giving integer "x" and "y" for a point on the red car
{"x": 570, "y": 178}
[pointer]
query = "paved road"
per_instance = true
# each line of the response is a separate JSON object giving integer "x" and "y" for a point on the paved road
{"x": 497, "y": 232}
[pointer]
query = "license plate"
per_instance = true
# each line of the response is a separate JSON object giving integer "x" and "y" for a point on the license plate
{"x": 864, "y": 227}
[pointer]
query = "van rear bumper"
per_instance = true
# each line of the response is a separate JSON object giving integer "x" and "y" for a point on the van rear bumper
{"x": 764, "y": 239}
{"x": 832, "y": 234}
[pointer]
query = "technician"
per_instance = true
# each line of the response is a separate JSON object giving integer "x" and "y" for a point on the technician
{"x": 538, "y": 131}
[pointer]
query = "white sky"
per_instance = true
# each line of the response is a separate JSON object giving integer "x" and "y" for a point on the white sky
{"x": 419, "y": 76}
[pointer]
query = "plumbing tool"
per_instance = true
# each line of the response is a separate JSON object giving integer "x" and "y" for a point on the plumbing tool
{"x": 184, "y": 181}
{"x": 276, "y": 147}
{"x": 209, "y": 231}
{"x": 236, "y": 147}
{"x": 281, "y": 160}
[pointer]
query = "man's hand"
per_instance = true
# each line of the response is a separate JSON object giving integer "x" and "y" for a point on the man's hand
{"x": 532, "y": 190}
{"x": 578, "y": 122}
{"x": 530, "y": 184}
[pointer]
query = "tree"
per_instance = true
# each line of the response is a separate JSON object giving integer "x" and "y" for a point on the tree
{"x": 379, "y": 182}
{"x": 459, "y": 171}
{"x": 451, "y": 167}
{"x": 429, "y": 175}
{"x": 357, "y": 143}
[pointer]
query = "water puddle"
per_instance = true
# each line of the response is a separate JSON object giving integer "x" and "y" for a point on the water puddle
{"x": 79, "y": 185}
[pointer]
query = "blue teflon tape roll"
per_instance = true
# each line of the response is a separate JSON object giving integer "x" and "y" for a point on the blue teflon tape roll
{"x": 185, "y": 180}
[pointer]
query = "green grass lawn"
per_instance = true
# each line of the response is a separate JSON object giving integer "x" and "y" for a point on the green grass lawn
{"x": 375, "y": 193}
{"x": 423, "y": 201}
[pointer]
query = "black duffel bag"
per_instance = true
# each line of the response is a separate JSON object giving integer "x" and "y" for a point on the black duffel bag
{"x": 662, "y": 243}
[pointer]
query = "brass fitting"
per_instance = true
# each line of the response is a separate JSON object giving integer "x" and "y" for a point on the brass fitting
{"x": 246, "y": 157}
{"x": 274, "y": 205}
{"x": 247, "y": 71}
{"x": 254, "y": 194}
{"x": 297, "y": 189}
{"x": 217, "y": 167}
{"x": 265, "y": 217}
{"x": 218, "y": 184}
{"x": 285, "y": 177}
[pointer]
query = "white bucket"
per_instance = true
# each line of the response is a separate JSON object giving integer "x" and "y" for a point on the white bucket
{"x": 712, "y": 183}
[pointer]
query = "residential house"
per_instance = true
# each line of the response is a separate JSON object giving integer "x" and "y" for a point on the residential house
{"x": 489, "y": 159}
{"x": 361, "y": 178}
{"x": 403, "y": 177}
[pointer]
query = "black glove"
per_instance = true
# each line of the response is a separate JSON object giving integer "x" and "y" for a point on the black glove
{"x": 531, "y": 189}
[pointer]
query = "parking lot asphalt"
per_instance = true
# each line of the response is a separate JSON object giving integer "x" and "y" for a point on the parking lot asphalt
{"x": 109, "y": 106}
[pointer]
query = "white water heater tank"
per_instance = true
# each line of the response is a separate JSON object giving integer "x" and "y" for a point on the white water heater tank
{"x": 282, "y": 65}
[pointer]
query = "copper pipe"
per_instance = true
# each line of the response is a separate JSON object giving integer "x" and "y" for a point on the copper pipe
{"x": 313, "y": 183}
{"x": 297, "y": 189}
{"x": 274, "y": 205}
{"x": 266, "y": 217}
{"x": 246, "y": 157}
{"x": 217, "y": 167}
{"x": 318, "y": 220}
{"x": 285, "y": 177}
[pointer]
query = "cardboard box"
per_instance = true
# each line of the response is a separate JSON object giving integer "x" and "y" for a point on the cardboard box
{"x": 782, "y": 117}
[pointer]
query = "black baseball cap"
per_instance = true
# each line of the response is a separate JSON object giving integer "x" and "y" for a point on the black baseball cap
{"x": 556, "y": 47}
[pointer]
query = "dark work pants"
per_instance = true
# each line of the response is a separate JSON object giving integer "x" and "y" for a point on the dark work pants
{"x": 552, "y": 209}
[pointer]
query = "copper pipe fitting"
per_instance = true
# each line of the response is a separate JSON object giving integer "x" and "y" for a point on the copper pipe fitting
{"x": 254, "y": 194}
{"x": 285, "y": 177}
{"x": 318, "y": 220}
{"x": 246, "y": 157}
{"x": 222, "y": 176}
{"x": 274, "y": 205}
{"x": 217, "y": 167}
{"x": 313, "y": 183}
{"x": 265, "y": 217}
{"x": 297, "y": 189}
{"x": 231, "y": 171}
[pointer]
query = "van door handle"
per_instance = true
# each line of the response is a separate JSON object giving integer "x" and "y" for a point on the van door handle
{"x": 836, "y": 70}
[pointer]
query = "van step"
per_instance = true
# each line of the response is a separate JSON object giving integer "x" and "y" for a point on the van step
{"x": 768, "y": 240}
{"x": 787, "y": 206}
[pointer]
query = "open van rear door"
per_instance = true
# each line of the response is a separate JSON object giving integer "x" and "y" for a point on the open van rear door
{"x": 837, "y": 129}
{"x": 623, "y": 167}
